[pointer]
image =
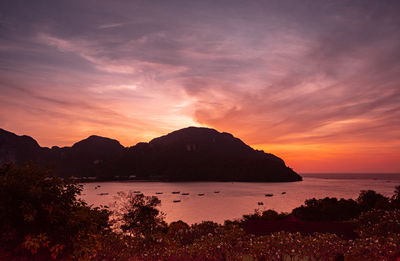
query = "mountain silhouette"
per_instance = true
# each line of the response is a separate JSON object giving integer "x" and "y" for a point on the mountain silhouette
{"x": 189, "y": 154}
{"x": 17, "y": 149}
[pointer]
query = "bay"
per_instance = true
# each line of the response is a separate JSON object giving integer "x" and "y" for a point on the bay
{"x": 230, "y": 200}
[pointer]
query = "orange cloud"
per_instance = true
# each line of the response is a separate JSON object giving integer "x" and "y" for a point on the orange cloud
{"x": 316, "y": 84}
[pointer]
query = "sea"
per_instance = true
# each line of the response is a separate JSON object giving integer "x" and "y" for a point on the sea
{"x": 194, "y": 202}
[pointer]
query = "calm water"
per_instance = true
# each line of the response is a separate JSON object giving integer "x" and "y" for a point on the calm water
{"x": 237, "y": 198}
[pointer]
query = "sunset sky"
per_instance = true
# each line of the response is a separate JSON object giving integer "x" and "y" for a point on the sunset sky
{"x": 316, "y": 83}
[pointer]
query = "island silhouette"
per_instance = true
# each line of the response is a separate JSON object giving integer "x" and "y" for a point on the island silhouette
{"x": 189, "y": 154}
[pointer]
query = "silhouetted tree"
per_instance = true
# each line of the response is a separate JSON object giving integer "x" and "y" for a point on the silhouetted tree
{"x": 369, "y": 199}
{"x": 41, "y": 215}
{"x": 395, "y": 200}
{"x": 138, "y": 214}
{"x": 328, "y": 209}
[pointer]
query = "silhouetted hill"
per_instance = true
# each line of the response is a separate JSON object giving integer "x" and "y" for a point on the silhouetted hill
{"x": 94, "y": 156}
{"x": 17, "y": 149}
{"x": 190, "y": 154}
{"x": 206, "y": 154}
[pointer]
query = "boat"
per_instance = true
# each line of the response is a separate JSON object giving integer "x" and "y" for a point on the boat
{"x": 201, "y": 194}
{"x": 216, "y": 191}
{"x": 283, "y": 192}
{"x": 136, "y": 191}
{"x": 260, "y": 203}
{"x": 185, "y": 194}
{"x": 176, "y": 192}
{"x": 269, "y": 195}
{"x": 158, "y": 193}
{"x": 102, "y": 194}
{"x": 176, "y": 201}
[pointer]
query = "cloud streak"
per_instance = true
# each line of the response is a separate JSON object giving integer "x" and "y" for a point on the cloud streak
{"x": 289, "y": 77}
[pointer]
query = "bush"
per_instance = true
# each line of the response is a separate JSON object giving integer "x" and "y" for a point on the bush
{"x": 328, "y": 209}
{"x": 180, "y": 232}
{"x": 265, "y": 215}
{"x": 204, "y": 228}
{"x": 379, "y": 222}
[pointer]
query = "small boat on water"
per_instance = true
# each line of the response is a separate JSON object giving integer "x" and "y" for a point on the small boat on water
{"x": 176, "y": 201}
{"x": 283, "y": 192}
{"x": 158, "y": 193}
{"x": 200, "y": 194}
{"x": 269, "y": 195}
{"x": 216, "y": 192}
{"x": 102, "y": 194}
{"x": 136, "y": 191}
{"x": 176, "y": 192}
{"x": 260, "y": 203}
{"x": 185, "y": 194}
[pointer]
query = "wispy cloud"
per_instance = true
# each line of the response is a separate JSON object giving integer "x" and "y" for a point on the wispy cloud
{"x": 107, "y": 26}
{"x": 291, "y": 77}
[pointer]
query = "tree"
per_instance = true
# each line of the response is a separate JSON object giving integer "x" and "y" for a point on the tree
{"x": 138, "y": 214}
{"x": 327, "y": 209}
{"x": 41, "y": 215}
{"x": 369, "y": 199}
{"x": 395, "y": 200}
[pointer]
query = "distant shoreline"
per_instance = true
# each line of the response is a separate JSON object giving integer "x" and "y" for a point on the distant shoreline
{"x": 368, "y": 176}
{"x": 373, "y": 176}
{"x": 179, "y": 181}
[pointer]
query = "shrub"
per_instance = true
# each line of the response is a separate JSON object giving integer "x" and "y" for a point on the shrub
{"x": 379, "y": 222}
{"x": 328, "y": 209}
{"x": 265, "y": 215}
{"x": 204, "y": 228}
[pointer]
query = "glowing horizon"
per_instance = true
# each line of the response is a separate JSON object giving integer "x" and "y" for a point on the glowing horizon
{"x": 316, "y": 84}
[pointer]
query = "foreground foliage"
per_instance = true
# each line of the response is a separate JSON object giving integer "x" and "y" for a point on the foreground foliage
{"x": 40, "y": 215}
{"x": 42, "y": 219}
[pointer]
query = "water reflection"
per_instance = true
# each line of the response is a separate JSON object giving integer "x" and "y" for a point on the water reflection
{"x": 218, "y": 201}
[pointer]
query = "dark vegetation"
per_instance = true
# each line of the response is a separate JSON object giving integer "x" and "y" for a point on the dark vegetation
{"x": 332, "y": 209}
{"x": 190, "y": 154}
{"x": 41, "y": 218}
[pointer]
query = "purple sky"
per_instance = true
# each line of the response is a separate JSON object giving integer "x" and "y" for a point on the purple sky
{"x": 314, "y": 82}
